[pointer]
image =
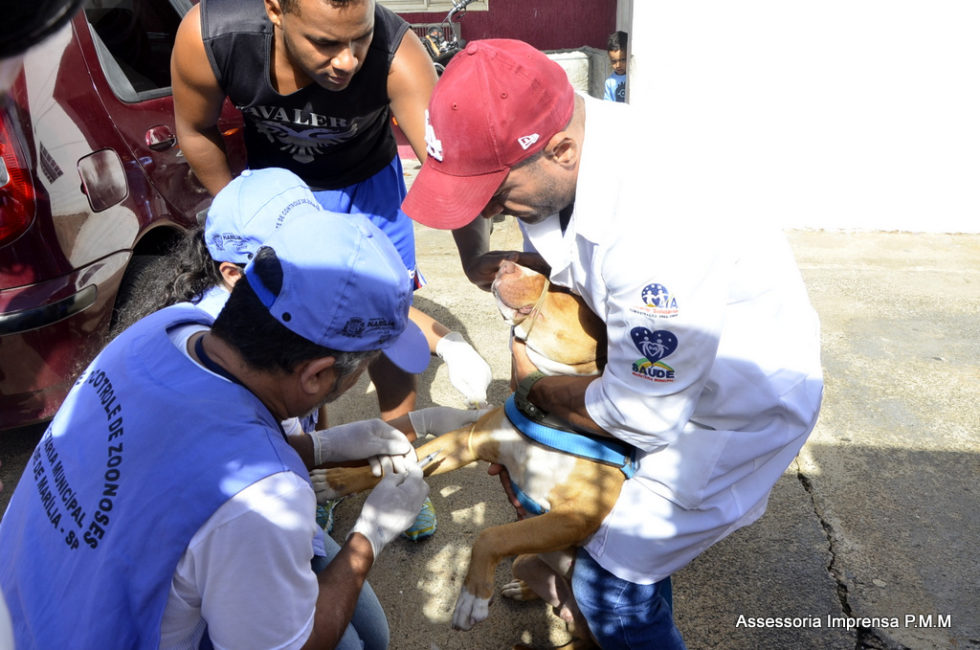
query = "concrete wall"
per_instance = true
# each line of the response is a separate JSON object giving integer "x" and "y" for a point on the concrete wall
{"x": 545, "y": 24}
{"x": 842, "y": 114}
{"x": 586, "y": 67}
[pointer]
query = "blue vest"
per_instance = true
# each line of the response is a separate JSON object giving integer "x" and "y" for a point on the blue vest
{"x": 143, "y": 451}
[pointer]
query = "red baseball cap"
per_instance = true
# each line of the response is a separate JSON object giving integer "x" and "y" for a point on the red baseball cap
{"x": 499, "y": 102}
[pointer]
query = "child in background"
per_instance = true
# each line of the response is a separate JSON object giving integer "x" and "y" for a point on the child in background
{"x": 616, "y": 82}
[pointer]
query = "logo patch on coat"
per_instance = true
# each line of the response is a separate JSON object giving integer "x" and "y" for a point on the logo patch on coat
{"x": 654, "y": 346}
{"x": 657, "y": 302}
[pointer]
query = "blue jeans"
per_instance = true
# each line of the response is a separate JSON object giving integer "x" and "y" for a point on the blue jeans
{"x": 623, "y": 614}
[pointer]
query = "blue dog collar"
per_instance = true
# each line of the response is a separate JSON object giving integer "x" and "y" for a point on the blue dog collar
{"x": 530, "y": 505}
{"x": 608, "y": 451}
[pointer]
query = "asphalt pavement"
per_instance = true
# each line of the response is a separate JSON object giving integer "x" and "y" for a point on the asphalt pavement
{"x": 870, "y": 538}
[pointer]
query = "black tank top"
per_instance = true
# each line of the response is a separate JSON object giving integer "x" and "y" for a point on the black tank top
{"x": 329, "y": 139}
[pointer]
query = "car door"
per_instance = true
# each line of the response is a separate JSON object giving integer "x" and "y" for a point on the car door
{"x": 127, "y": 48}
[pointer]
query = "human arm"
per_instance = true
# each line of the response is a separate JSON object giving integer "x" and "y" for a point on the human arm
{"x": 496, "y": 469}
{"x": 561, "y": 396}
{"x": 411, "y": 79}
{"x": 473, "y": 244}
{"x": 339, "y": 586}
{"x": 619, "y": 403}
{"x": 390, "y": 508}
{"x": 662, "y": 318}
{"x": 198, "y": 99}
{"x": 433, "y": 420}
{"x": 469, "y": 373}
{"x": 610, "y": 89}
{"x": 383, "y": 446}
{"x": 358, "y": 441}
{"x": 479, "y": 263}
{"x": 263, "y": 593}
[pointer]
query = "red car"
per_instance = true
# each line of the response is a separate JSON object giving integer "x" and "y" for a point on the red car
{"x": 93, "y": 191}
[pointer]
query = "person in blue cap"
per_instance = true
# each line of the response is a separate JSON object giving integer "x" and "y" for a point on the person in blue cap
{"x": 165, "y": 507}
{"x": 241, "y": 217}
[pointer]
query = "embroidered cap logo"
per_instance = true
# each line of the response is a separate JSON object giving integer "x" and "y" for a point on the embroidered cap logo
{"x": 433, "y": 145}
{"x": 527, "y": 140}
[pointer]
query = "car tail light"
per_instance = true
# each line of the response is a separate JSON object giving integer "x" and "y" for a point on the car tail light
{"x": 17, "y": 195}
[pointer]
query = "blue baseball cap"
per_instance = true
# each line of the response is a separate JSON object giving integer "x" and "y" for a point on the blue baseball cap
{"x": 250, "y": 208}
{"x": 344, "y": 287}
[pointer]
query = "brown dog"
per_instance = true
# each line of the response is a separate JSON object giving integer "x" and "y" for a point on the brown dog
{"x": 562, "y": 337}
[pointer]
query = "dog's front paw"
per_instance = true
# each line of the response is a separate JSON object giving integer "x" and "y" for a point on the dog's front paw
{"x": 470, "y": 610}
{"x": 325, "y": 491}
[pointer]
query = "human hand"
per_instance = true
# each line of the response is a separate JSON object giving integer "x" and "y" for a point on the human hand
{"x": 437, "y": 420}
{"x": 469, "y": 373}
{"x": 496, "y": 469}
{"x": 482, "y": 269}
{"x": 535, "y": 262}
{"x": 391, "y": 507}
{"x": 385, "y": 448}
{"x": 520, "y": 362}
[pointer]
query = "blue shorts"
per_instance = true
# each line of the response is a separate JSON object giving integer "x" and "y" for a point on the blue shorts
{"x": 623, "y": 614}
{"x": 380, "y": 198}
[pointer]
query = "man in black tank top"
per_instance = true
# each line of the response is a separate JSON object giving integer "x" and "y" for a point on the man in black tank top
{"x": 317, "y": 82}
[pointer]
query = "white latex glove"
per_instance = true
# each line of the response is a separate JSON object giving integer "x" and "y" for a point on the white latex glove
{"x": 437, "y": 420}
{"x": 291, "y": 426}
{"x": 468, "y": 372}
{"x": 386, "y": 448}
{"x": 391, "y": 507}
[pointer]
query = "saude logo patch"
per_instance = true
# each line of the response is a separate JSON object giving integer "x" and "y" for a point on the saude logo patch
{"x": 657, "y": 301}
{"x": 654, "y": 346}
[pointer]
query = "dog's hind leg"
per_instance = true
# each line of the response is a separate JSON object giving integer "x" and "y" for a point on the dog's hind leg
{"x": 541, "y": 575}
{"x": 548, "y": 576}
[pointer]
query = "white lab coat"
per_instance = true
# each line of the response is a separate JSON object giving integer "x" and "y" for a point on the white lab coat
{"x": 713, "y": 362}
